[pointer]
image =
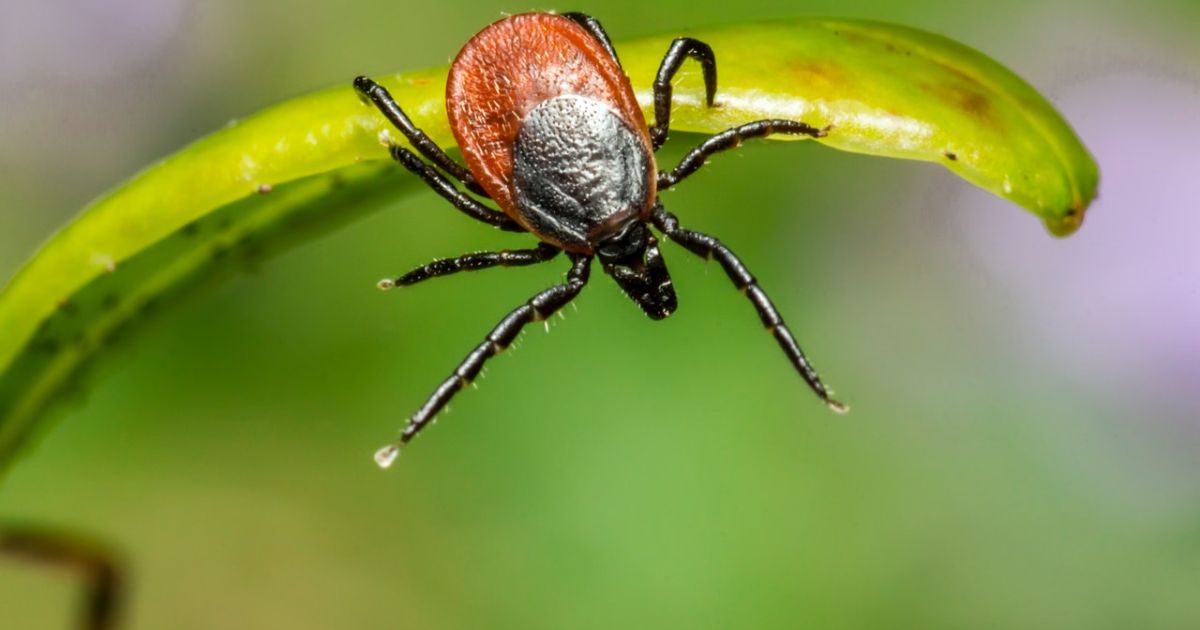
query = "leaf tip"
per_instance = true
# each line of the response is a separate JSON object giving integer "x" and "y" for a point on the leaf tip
{"x": 1067, "y": 224}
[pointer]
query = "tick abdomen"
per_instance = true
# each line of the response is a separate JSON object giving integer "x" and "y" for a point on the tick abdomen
{"x": 514, "y": 67}
{"x": 578, "y": 168}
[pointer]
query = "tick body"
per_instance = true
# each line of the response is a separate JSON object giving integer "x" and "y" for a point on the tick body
{"x": 549, "y": 126}
{"x": 552, "y": 133}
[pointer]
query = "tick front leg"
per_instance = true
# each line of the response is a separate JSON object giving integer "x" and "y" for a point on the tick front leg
{"x": 680, "y": 50}
{"x": 383, "y": 101}
{"x": 731, "y": 138}
{"x": 451, "y": 193}
{"x": 710, "y": 248}
{"x": 538, "y": 308}
{"x": 474, "y": 262}
{"x": 592, "y": 25}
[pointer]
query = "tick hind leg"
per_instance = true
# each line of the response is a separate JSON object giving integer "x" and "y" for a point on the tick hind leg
{"x": 681, "y": 49}
{"x": 538, "y": 308}
{"x": 474, "y": 262}
{"x": 710, "y": 248}
{"x": 382, "y": 99}
{"x": 732, "y": 138}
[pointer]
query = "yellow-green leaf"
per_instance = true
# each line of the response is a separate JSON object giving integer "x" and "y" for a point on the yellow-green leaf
{"x": 301, "y": 168}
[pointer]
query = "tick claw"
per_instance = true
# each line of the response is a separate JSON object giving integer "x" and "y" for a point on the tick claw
{"x": 838, "y": 407}
{"x": 387, "y": 455}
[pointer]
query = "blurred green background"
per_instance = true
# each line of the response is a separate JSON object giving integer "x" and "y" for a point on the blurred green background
{"x": 1024, "y": 446}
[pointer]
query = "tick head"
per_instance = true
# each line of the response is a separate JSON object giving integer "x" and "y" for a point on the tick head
{"x": 632, "y": 258}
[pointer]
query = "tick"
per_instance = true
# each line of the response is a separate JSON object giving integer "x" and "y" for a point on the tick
{"x": 551, "y": 132}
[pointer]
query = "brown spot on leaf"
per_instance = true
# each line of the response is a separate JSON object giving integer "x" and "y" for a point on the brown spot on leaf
{"x": 818, "y": 74}
{"x": 966, "y": 98}
{"x": 858, "y": 39}
{"x": 974, "y": 103}
{"x": 964, "y": 92}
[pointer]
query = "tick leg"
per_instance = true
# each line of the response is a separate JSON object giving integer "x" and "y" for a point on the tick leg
{"x": 474, "y": 262}
{"x": 592, "y": 25}
{"x": 383, "y": 100}
{"x": 538, "y": 308}
{"x": 447, "y": 189}
{"x": 731, "y": 138}
{"x": 91, "y": 560}
{"x": 710, "y": 248}
{"x": 679, "y": 51}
